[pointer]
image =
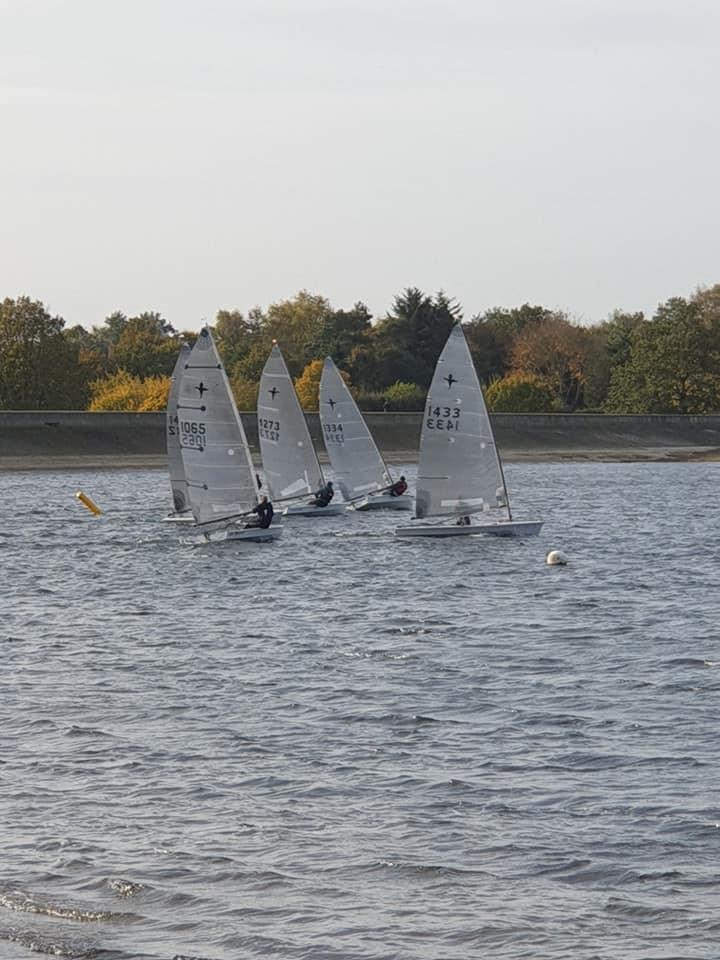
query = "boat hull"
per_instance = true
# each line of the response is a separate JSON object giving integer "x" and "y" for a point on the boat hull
{"x": 254, "y": 534}
{"x": 236, "y": 534}
{"x": 308, "y": 510}
{"x": 511, "y": 528}
{"x": 382, "y": 501}
{"x": 184, "y": 517}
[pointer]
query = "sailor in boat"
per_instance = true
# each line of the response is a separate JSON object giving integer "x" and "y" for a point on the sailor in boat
{"x": 462, "y": 522}
{"x": 323, "y": 496}
{"x": 398, "y": 488}
{"x": 264, "y": 511}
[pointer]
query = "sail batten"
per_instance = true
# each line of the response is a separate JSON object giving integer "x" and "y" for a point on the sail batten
{"x": 459, "y": 470}
{"x": 355, "y": 458}
{"x": 290, "y": 464}
{"x": 215, "y": 454}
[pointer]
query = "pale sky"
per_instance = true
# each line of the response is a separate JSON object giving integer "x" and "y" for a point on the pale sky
{"x": 189, "y": 156}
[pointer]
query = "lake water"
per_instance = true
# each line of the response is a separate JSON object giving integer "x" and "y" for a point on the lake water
{"x": 347, "y": 746}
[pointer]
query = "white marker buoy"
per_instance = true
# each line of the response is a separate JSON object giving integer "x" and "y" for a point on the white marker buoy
{"x": 556, "y": 558}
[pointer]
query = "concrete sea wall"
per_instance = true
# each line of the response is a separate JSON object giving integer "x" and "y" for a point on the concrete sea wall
{"x": 57, "y": 439}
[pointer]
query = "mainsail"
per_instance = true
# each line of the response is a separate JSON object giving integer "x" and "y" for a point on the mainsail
{"x": 290, "y": 463}
{"x": 459, "y": 472}
{"x": 172, "y": 432}
{"x": 355, "y": 458}
{"x": 215, "y": 455}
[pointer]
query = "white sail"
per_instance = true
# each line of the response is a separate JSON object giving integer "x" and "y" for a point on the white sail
{"x": 459, "y": 472}
{"x": 355, "y": 458}
{"x": 216, "y": 458}
{"x": 290, "y": 463}
{"x": 172, "y": 435}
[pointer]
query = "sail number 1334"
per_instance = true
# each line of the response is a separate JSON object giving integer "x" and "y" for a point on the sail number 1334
{"x": 442, "y": 418}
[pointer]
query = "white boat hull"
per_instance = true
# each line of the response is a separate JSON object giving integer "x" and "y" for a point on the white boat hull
{"x": 254, "y": 534}
{"x": 509, "y": 528}
{"x": 382, "y": 501}
{"x": 237, "y": 534}
{"x": 184, "y": 517}
{"x": 308, "y": 510}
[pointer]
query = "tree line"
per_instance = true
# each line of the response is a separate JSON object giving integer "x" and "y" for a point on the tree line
{"x": 529, "y": 358}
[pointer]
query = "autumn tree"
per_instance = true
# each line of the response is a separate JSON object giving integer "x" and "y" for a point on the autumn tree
{"x": 39, "y": 367}
{"x": 307, "y": 386}
{"x": 520, "y": 393}
{"x": 404, "y": 396}
{"x": 123, "y": 391}
{"x": 556, "y": 352}
{"x": 492, "y": 334}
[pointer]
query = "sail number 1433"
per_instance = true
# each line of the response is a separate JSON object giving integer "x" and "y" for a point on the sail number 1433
{"x": 442, "y": 418}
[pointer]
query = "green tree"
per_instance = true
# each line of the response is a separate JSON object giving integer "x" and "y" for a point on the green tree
{"x": 113, "y": 326}
{"x": 295, "y": 324}
{"x": 405, "y": 345}
{"x": 609, "y": 347}
{"x": 146, "y": 347}
{"x": 236, "y": 334}
{"x": 39, "y": 368}
{"x": 674, "y": 361}
{"x": 249, "y": 368}
{"x": 92, "y": 358}
{"x": 340, "y": 332}
{"x": 245, "y": 392}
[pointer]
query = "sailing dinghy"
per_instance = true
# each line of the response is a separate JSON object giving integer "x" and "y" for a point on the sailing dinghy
{"x": 361, "y": 472}
{"x": 221, "y": 481}
{"x": 181, "y": 512}
{"x": 459, "y": 471}
{"x": 290, "y": 464}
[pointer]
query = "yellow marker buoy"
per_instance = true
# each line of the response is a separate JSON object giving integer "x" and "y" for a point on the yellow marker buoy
{"x": 90, "y": 504}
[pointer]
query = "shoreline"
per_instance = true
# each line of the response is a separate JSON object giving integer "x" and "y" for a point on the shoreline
{"x": 49, "y": 462}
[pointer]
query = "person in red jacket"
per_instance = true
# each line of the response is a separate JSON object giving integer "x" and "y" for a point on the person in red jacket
{"x": 398, "y": 488}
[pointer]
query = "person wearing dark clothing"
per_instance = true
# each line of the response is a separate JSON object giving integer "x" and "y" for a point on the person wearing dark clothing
{"x": 324, "y": 495}
{"x": 264, "y": 511}
{"x": 398, "y": 488}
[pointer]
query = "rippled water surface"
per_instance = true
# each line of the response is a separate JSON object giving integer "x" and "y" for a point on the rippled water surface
{"x": 345, "y": 746}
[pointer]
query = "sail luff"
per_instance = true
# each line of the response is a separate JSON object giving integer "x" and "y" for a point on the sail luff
{"x": 290, "y": 463}
{"x": 172, "y": 435}
{"x": 459, "y": 470}
{"x": 216, "y": 457}
{"x": 354, "y": 455}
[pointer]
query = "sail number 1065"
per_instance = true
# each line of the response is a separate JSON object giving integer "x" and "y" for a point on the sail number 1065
{"x": 442, "y": 418}
{"x": 192, "y": 434}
